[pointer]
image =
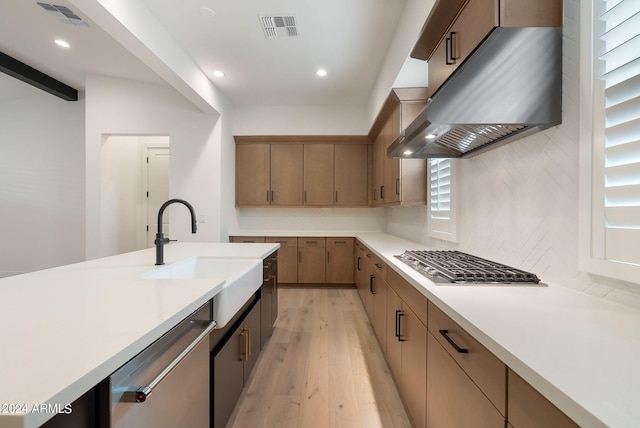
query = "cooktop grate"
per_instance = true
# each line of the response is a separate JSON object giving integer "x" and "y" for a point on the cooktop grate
{"x": 459, "y": 267}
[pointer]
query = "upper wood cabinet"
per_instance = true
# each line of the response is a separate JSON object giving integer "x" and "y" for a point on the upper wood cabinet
{"x": 455, "y": 28}
{"x": 397, "y": 181}
{"x": 350, "y": 174}
{"x": 286, "y": 174}
{"x": 253, "y": 174}
{"x": 318, "y": 174}
{"x": 306, "y": 173}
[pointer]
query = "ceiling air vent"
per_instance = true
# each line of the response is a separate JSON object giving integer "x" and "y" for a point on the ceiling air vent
{"x": 63, "y": 14}
{"x": 279, "y": 25}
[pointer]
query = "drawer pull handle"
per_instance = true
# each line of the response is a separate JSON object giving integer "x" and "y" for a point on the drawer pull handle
{"x": 359, "y": 263}
{"x": 399, "y": 315}
{"x": 445, "y": 334}
{"x": 371, "y": 279}
{"x": 378, "y": 265}
{"x": 140, "y": 394}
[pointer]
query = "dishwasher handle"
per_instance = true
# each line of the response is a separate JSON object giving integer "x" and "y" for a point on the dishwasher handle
{"x": 140, "y": 394}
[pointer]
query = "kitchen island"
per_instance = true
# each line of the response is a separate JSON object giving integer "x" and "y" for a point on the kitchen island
{"x": 66, "y": 329}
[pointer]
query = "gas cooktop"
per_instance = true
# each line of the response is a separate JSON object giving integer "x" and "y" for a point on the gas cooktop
{"x": 455, "y": 267}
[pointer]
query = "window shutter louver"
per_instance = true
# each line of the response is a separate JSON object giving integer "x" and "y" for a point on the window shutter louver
{"x": 621, "y": 76}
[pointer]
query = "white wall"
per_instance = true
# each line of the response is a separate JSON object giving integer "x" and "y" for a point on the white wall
{"x": 519, "y": 203}
{"x": 118, "y": 106}
{"x": 41, "y": 183}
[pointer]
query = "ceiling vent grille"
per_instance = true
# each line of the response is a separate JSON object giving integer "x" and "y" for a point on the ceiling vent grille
{"x": 63, "y": 14}
{"x": 279, "y": 25}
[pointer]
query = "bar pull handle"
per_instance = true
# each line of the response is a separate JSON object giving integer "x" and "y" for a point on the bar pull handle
{"x": 452, "y": 52}
{"x": 378, "y": 265}
{"x": 399, "y": 315}
{"x": 358, "y": 263}
{"x": 272, "y": 196}
{"x": 267, "y": 196}
{"x": 445, "y": 334}
{"x": 140, "y": 394}
{"x": 328, "y": 258}
{"x": 397, "y": 186}
{"x": 381, "y": 192}
{"x": 371, "y": 280}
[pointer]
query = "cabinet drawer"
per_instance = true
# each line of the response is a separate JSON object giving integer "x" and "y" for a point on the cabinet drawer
{"x": 484, "y": 368}
{"x": 378, "y": 266}
{"x": 247, "y": 239}
{"x": 412, "y": 297}
{"x": 340, "y": 242}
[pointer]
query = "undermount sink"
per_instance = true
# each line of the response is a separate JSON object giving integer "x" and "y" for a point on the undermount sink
{"x": 242, "y": 278}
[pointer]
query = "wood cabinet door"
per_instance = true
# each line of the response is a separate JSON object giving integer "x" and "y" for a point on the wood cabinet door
{"x": 318, "y": 174}
{"x": 311, "y": 264}
{"x": 474, "y": 23}
{"x": 339, "y": 267}
{"x": 287, "y": 259}
{"x": 228, "y": 379}
{"x": 379, "y": 320}
{"x": 392, "y": 129}
{"x": 253, "y": 171}
{"x": 414, "y": 366}
{"x": 530, "y": 409}
{"x": 286, "y": 174}
{"x": 251, "y": 327}
{"x": 350, "y": 181}
{"x": 453, "y": 400}
{"x": 360, "y": 272}
{"x": 378, "y": 168}
{"x": 394, "y": 348}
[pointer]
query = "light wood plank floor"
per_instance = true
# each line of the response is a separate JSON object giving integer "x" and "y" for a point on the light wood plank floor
{"x": 321, "y": 368}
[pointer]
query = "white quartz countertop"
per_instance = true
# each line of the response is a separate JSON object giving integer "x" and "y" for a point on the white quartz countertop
{"x": 66, "y": 329}
{"x": 581, "y": 352}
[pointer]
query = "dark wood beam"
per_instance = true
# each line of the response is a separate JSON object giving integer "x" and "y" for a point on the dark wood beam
{"x": 33, "y": 77}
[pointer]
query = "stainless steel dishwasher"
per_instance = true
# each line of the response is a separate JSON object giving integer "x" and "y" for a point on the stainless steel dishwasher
{"x": 167, "y": 384}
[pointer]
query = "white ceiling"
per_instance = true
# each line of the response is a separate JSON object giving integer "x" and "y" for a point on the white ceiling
{"x": 349, "y": 39}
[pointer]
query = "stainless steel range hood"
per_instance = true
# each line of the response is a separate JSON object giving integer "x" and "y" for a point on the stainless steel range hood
{"x": 510, "y": 87}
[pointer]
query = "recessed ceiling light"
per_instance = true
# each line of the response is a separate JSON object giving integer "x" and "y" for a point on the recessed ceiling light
{"x": 430, "y": 136}
{"x": 408, "y": 152}
{"x": 218, "y": 73}
{"x": 321, "y": 72}
{"x": 62, "y": 43}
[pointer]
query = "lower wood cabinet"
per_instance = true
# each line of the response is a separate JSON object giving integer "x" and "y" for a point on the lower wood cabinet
{"x": 232, "y": 362}
{"x": 311, "y": 260}
{"x": 407, "y": 355}
{"x": 287, "y": 258}
{"x": 339, "y": 263}
{"x": 453, "y": 400}
{"x": 529, "y": 409}
{"x": 269, "y": 297}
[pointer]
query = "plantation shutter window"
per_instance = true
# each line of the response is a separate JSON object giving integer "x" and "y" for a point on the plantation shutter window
{"x": 619, "y": 71}
{"x": 441, "y": 199}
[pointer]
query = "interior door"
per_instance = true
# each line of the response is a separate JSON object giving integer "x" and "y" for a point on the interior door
{"x": 157, "y": 190}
